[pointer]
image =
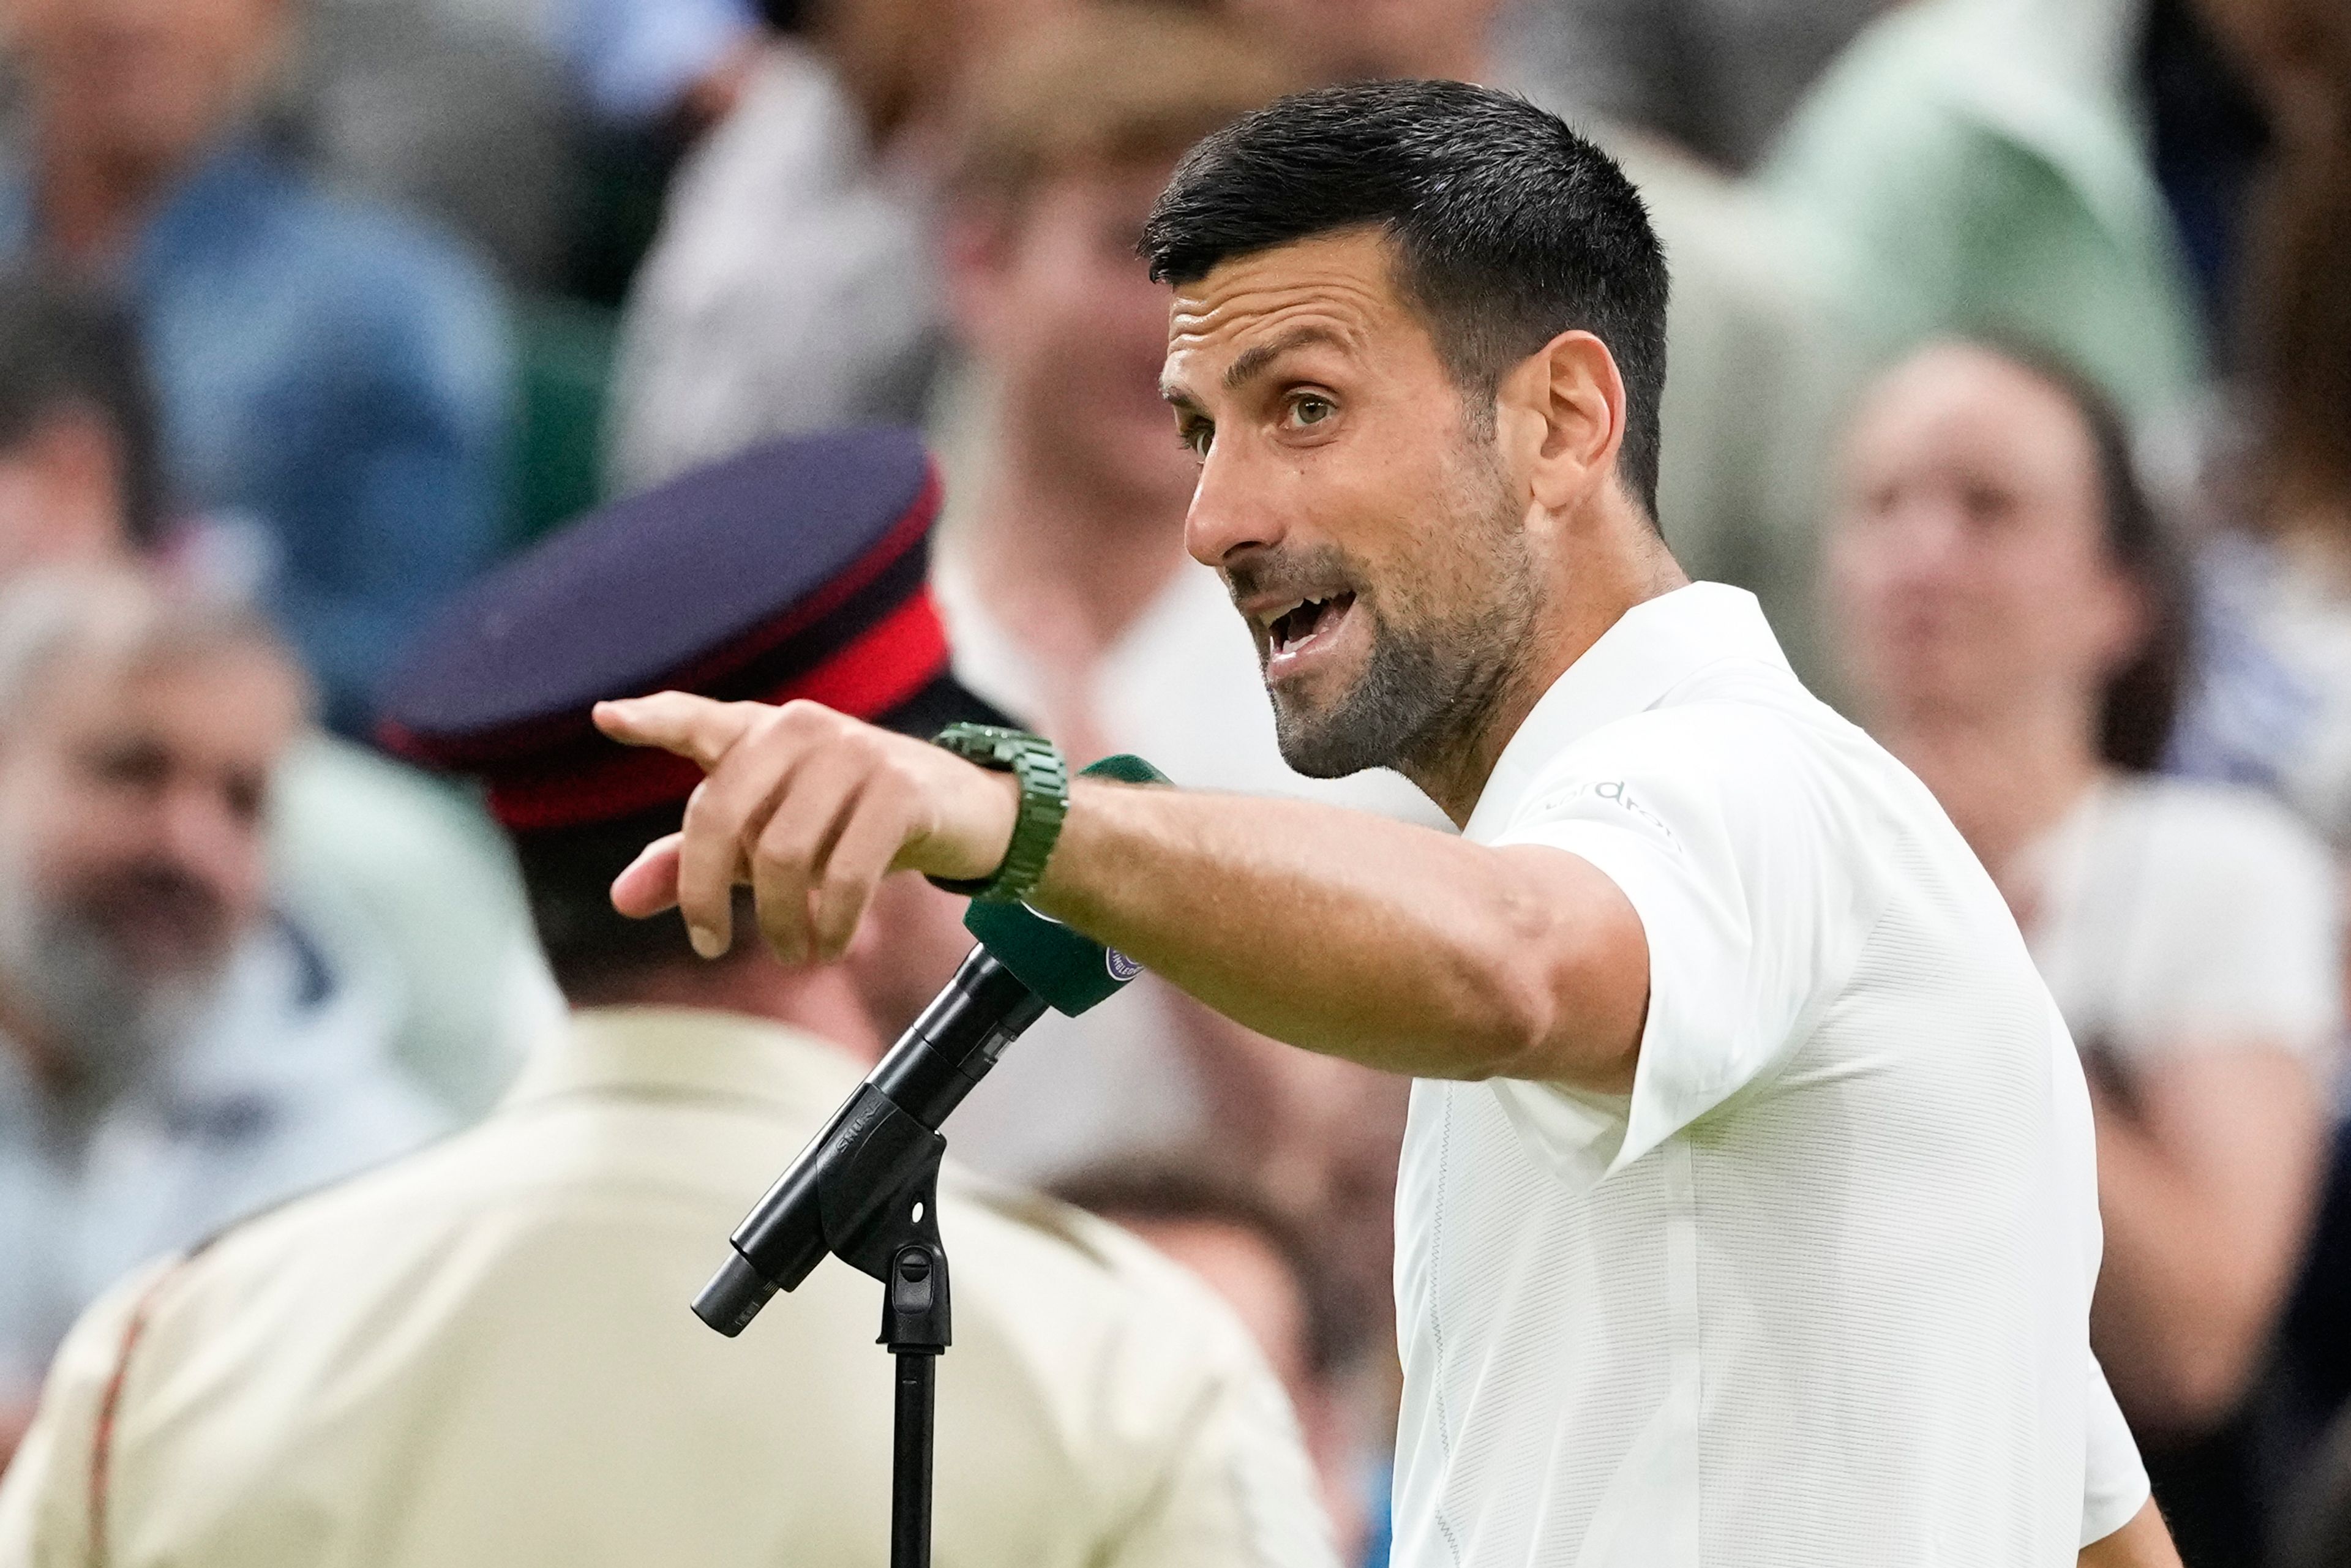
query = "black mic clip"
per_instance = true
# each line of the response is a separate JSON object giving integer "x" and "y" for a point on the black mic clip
{"x": 872, "y": 1201}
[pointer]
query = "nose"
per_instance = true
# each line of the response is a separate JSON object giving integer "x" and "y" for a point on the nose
{"x": 1231, "y": 513}
{"x": 210, "y": 841}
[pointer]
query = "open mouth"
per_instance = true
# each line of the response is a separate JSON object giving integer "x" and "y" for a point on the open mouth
{"x": 1298, "y": 628}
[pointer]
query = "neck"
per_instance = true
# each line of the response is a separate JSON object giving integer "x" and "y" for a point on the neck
{"x": 2005, "y": 778}
{"x": 1632, "y": 568}
{"x": 816, "y": 1001}
{"x": 92, "y": 201}
{"x": 1069, "y": 560}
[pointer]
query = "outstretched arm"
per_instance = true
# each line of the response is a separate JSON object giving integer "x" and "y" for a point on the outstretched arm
{"x": 1392, "y": 945}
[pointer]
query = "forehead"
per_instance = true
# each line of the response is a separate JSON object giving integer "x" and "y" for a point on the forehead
{"x": 1953, "y": 398}
{"x": 229, "y": 702}
{"x": 1341, "y": 285}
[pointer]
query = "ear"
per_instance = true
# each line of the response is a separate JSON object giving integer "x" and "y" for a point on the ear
{"x": 1559, "y": 418}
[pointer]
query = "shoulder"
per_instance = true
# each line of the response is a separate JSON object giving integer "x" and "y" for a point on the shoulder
{"x": 368, "y": 263}
{"x": 1741, "y": 743}
{"x": 2209, "y": 836}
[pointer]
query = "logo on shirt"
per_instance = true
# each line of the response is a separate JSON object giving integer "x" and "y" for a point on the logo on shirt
{"x": 1122, "y": 967}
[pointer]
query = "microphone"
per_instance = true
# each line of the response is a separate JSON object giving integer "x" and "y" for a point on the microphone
{"x": 880, "y": 1137}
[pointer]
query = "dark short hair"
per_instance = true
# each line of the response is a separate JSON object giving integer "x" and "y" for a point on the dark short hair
{"x": 65, "y": 347}
{"x": 2141, "y": 702}
{"x": 1509, "y": 227}
{"x": 567, "y": 872}
{"x": 1171, "y": 1191}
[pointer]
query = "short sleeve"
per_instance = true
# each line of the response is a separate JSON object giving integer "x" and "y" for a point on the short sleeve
{"x": 2113, "y": 1479}
{"x": 2240, "y": 933}
{"x": 1727, "y": 841}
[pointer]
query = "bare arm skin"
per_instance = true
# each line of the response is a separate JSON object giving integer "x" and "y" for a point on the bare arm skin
{"x": 1341, "y": 932}
{"x": 2206, "y": 1187}
{"x": 2144, "y": 1542}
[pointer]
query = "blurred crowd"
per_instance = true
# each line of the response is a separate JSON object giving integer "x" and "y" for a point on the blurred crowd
{"x": 2011, "y": 367}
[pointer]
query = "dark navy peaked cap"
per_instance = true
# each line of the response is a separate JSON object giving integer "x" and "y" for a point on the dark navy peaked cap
{"x": 796, "y": 570}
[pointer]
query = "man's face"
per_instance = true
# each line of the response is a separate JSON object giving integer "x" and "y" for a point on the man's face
{"x": 131, "y": 832}
{"x": 1067, "y": 318}
{"x": 1969, "y": 562}
{"x": 1355, "y": 505}
{"x": 142, "y": 81}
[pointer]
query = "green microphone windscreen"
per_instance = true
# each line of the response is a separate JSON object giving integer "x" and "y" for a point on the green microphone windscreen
{"x": 1071, "y": 972}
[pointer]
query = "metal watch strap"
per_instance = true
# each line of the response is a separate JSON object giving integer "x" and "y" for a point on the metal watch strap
{"x": 1044, "y": 778}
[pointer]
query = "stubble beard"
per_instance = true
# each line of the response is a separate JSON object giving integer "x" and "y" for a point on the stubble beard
{"x": 1427, "y": 692}
{"x": 106, "y": 1019}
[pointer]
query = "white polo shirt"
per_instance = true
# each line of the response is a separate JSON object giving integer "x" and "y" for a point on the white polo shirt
{"x": 1817, "y": 1291}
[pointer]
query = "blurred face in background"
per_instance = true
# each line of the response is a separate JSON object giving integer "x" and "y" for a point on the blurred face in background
{"x": 1969, "y": 565}
{"x": 131, "y": 803}
{"x": 1060, "y": 309}
{"x": 62, "y": 494}
{"x": 143, "y": 84}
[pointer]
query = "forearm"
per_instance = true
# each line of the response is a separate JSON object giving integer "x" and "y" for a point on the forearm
{"x": 1388, "y": 943}
{"x": 2195, "y": 1263}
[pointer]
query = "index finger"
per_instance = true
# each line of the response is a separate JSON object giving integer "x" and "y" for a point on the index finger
{"x": 695, "y": 728}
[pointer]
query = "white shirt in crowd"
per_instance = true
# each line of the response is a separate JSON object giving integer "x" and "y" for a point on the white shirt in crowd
{"x": 2166, "y": 916}
{"x": 1817, "y": 1291}
{"x": 1182, "y": 689}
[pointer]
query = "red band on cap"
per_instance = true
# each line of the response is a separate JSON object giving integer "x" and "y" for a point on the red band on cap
{"x": 890, "y": 664}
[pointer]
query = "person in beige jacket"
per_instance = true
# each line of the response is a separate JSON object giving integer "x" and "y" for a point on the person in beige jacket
{"x": 482, "y": 1355}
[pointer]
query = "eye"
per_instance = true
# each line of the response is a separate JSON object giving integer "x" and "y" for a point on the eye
{"x": 1196, "y": 437}
{"x": 1310, "y": 408}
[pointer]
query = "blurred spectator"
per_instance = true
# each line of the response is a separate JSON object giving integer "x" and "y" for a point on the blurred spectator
{"x": 546, "y": 1398}
{"x": 331, "y": 378}
{"x": 1981, "y": 166}
{"x": 1264, "y": 1265}
{"x": 1716, "y": 78}
{"x": 2016, "y": 620}
{"x": 462, "y": 110}
{"x": 792, "y": 285}
{"x": 645, "y": 62}
{"x": 172, "y": 1054}
{"x": 2275, "y": 704}
{"x": 401, "y": 877}
{"x": 78, "y": 469}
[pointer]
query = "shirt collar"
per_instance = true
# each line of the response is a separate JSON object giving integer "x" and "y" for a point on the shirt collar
{"x": 689, "y": 1051}
{"x": 1652, "y": 648}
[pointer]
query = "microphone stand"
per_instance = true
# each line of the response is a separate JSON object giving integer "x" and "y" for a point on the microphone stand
{"x": 896, "y": 1241}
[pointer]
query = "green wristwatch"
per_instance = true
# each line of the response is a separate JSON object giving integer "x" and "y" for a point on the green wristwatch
{"x": 1044, "y": 800}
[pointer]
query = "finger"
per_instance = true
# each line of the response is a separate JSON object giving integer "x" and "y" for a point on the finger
{"x": 861, "y": 858}
{"x": 719, "y": 816}
{"x": 789, "y": 855}
{"x": 692, "y": 726}
{"x": 649, "y": 885}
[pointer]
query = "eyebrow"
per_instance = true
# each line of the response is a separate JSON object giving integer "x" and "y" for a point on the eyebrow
{"x": 1252, "y": 362}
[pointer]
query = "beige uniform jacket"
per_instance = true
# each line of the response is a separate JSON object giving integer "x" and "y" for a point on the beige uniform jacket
{"x": 483, "y": 1355}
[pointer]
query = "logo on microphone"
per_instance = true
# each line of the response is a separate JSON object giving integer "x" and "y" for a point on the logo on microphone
{"x": 1122, "y": 967}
